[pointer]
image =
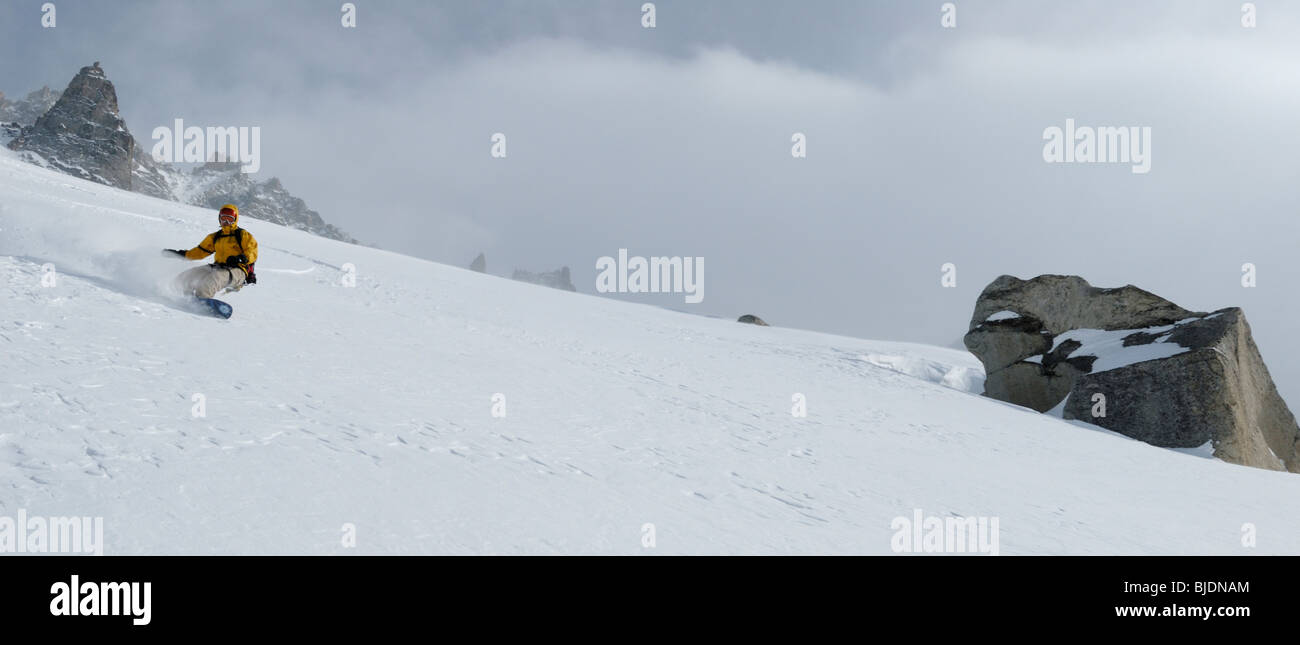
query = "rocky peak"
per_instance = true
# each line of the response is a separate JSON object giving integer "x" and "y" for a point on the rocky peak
{"x": 90, "y": 99}
{"x": 82, "y": 134}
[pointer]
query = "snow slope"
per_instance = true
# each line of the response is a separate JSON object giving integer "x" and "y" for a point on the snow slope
{"x": 372, "y": 405}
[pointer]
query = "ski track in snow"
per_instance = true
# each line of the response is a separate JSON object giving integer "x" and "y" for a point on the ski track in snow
{"x": 372, "y": 405}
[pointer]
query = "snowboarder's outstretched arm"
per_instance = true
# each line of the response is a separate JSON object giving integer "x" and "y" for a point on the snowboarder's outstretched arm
{"x": 203, "y": 250}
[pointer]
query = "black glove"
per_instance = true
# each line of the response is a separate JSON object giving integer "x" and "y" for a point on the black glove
{"x": 235, "y": 261}
{"x": 169, "y": 252}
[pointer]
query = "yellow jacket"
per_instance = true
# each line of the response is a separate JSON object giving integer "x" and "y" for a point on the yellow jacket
{"x": 224, "y": 244}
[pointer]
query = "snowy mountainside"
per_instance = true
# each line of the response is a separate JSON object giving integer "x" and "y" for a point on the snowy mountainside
{"x": 26, "y": 110}
{"x": 372, "y": 406}
{"x": 215, "y": 183}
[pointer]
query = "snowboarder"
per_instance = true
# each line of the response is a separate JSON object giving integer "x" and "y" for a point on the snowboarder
{"x": 235, "y": 253}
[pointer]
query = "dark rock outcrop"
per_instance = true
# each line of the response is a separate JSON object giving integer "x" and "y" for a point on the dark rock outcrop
{"x": 752, "y": 319}
{"x": 82, "y": 134}
{"x": 557, "y": 279}
{"x": 1165, "y": 375}
{"x": 1219, "y": 391}
{"x": 9, "y": 132}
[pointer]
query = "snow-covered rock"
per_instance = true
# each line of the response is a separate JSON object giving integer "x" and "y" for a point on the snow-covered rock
{"x": 1196, "y": 382}
{"x": 1130, "y": 361}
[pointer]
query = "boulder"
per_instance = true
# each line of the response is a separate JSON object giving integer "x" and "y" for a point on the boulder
{"x": 1165, "y": 375}
{"x": 752, "y": 319}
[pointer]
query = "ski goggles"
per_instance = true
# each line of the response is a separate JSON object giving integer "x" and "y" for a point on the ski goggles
{"x": 226, "y": 216}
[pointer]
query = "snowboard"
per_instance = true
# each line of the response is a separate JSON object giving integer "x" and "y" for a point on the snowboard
{"x": 216, "y": 307}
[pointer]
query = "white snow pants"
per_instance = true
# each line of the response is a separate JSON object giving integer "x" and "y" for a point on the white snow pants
{"x": 209, "y": 280}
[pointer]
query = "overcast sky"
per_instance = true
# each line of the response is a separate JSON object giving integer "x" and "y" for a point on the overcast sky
{"x": 924, "y": 143}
